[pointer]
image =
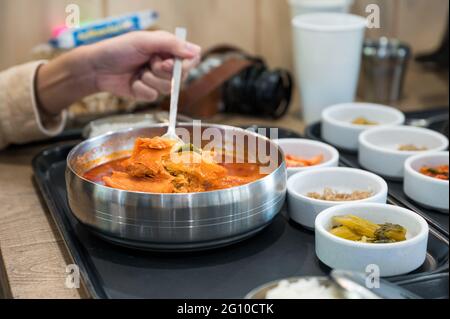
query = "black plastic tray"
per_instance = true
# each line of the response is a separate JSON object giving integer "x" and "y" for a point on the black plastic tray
{"x": 283, "y": 249}
{"x": 434, "y": 285}
{"x": 437, "y": 219}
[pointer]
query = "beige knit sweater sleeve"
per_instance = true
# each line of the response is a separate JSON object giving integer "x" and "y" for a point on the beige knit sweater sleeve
{"x": 20, "y": 119}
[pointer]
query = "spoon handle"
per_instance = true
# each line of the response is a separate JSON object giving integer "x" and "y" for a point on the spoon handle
{"x": 181, "y": 34}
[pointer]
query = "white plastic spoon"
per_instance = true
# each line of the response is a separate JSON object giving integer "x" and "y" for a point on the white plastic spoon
{"x": 180, "y": 33}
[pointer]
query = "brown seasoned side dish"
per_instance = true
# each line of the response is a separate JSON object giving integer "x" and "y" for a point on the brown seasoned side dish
{"x": 411, "y": 148}
{"x": 335, "y": 196}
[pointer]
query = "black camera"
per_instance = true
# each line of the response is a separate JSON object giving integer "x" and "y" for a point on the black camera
{"x": 254, "y": 90}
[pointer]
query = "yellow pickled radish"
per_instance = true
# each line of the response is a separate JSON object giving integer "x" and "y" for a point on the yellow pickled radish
{"x": 357, "y": 225}
{"x": 345, "y": 233}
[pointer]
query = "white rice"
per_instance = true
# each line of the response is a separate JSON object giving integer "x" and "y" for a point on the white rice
{"x": 310, "y": 288}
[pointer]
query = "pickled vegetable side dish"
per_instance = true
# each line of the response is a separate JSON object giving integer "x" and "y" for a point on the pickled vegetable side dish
{"x": 335, "y": 196}
{"x": 439, "y": 172}
{"x": 298, "y": 161}
{"x": 354, "y": 228}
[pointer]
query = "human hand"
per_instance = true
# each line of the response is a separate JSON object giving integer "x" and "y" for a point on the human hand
{"x": 135, "y": 65}
{"x": 139, "y": 64}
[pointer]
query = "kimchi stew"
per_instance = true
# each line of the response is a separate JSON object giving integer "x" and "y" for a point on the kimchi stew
{"x": 154, "y": 167}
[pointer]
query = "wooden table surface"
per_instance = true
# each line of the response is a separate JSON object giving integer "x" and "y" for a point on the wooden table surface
{"x": 34, "y": 257}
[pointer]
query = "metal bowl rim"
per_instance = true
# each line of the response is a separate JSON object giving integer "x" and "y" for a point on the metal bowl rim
{"x": 160, "y": 125}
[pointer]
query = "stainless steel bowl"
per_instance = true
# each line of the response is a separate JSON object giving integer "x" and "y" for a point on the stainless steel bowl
{"x": 170, "y": 221}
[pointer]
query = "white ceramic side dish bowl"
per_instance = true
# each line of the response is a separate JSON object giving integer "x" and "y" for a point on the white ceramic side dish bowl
{"x": 427, "y": 191}
{"x": 308, "y": 149}
{"x": 378, "y": 148}
{"x": 392, "y": 259}
{"x": 338, "y": 129}
{"x": 304, "y": 210}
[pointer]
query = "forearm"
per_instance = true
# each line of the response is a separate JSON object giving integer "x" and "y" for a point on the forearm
{"x": 64, "y": 81}
{"x": 21, "y": 120}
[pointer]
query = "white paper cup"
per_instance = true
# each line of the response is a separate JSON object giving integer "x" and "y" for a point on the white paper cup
{"x": 327, "y": 52}
{"x": 299, "y": 7}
